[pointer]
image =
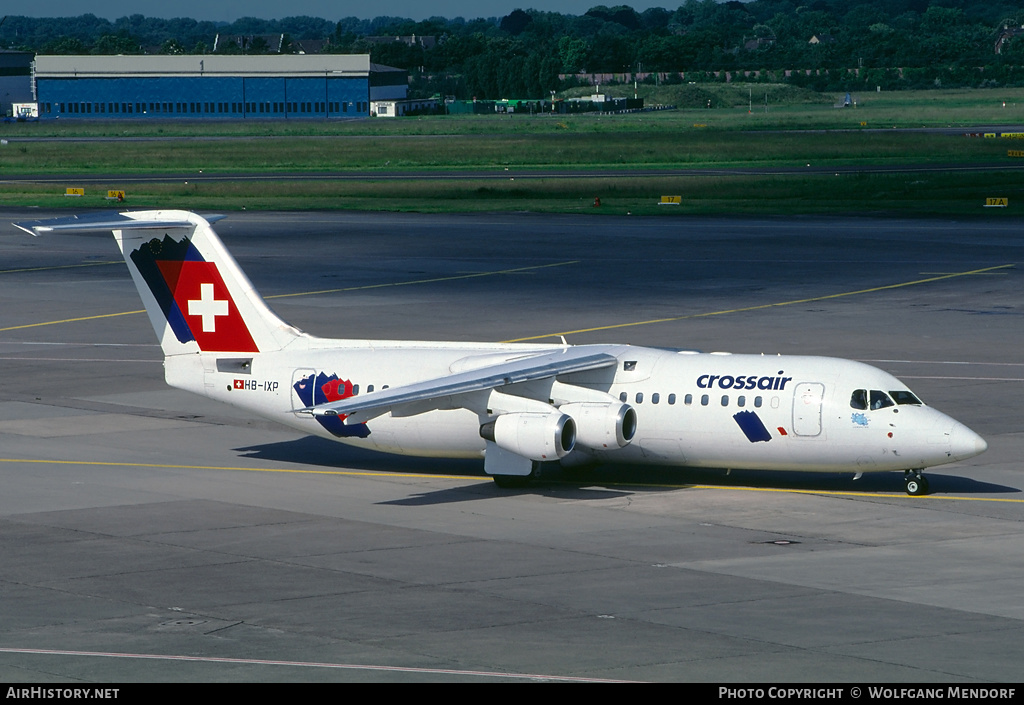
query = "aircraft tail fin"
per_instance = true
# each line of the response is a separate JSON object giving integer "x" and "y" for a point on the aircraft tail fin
{"x": 197, "y": 297}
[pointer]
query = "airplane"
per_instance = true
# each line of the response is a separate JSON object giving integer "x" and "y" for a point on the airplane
{"x": 516, "y": 406}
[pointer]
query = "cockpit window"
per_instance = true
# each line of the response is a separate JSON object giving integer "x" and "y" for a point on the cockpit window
{"x": 905, "y": 397}
{"x": 862, "y": 399}
{"x": 880, "y": 400}
{"x": 859, "y": 399}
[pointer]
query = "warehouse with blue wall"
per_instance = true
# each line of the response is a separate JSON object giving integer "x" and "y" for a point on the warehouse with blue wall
{"x": 209, "y": 86}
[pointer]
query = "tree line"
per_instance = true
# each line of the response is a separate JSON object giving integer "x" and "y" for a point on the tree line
{"x": 824, "y": 44}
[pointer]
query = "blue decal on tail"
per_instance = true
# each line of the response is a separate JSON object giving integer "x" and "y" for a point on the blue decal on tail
{"x": 148, "y": 259}
{"x": 752, "y": 426}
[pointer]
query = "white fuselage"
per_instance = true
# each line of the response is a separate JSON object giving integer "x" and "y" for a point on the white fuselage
{"x": 515, "y": 406}
{"x": 714, "y": 410}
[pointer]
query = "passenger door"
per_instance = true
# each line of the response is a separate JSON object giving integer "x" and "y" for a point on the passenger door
{"x": 807, "y": 401}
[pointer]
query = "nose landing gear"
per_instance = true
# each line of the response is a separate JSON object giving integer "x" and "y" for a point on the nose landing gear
{"x": 915, "y": 483}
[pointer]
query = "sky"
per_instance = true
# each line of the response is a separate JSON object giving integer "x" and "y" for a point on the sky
{"x": 230, "y": 10}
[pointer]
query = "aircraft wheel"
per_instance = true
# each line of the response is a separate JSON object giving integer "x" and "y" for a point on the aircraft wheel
{"x": 916, "y": 486}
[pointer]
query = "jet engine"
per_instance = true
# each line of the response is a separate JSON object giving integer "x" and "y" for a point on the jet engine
{"x": 602, "y": 425}
{"x": 535, "y": 435}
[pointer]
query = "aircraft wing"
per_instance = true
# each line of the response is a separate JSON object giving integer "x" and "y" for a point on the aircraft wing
{"x": 416, "y": 396}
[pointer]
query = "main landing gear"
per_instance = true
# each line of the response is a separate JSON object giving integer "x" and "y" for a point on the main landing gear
{"x": 511, "y": 482}
{"x": 915, "y": 483}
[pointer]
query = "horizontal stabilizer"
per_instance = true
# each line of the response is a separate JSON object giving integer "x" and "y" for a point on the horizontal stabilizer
{"x": 196, "y": 296}
{"x": 97, "y": 222}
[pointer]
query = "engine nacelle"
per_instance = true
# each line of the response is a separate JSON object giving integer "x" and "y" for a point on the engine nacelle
{"x": 602, "y": 425}
{"x": 535, "y": 435}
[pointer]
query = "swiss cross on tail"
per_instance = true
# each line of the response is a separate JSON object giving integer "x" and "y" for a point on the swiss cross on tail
{"x": 193, "y": 296}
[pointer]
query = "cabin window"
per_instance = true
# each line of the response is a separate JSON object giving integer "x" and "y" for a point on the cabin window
{"x": 639, "y": 397}
{"x": 671, "y": 399}
{"x": 725, "y": 400}
{"x": 355, "y": 389}
{"x": 859, "y": 399}
{"x": 623, "y": 397}
{"x": 655, "y": 398}
{"x": 741, "y": 401}
{"x": 757, "y": 402}
{"x": 704, "y": 399}
{"x": 688, "y": 399}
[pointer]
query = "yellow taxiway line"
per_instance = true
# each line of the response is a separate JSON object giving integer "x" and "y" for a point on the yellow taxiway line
{"x": 171, "y": 466}
{"x": 826, "y": 297}
{"x": 427, "y": 281}
{"x": 436, "y": 476}
{"x": 71, "y": 320}
{"x": 474, "y": 275}
{"x": 60, "y": 266}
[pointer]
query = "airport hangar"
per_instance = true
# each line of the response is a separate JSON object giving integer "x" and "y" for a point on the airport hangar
{"x": 211, "y": 86}
{"x": 15, "y": 79}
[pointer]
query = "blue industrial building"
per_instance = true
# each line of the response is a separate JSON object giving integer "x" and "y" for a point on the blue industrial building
{"x": 15, "y": 80}
{"x": 211, "y": 86}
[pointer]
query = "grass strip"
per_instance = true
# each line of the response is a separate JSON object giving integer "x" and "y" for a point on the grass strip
{"x": 923, "y": 194}
{"x": 694, "y": 148}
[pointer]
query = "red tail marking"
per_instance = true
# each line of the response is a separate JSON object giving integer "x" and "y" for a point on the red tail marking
{"x": 201, "y": 295}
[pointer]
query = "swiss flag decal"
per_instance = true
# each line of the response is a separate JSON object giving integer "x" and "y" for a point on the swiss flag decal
{"x": 204, "y": 301}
